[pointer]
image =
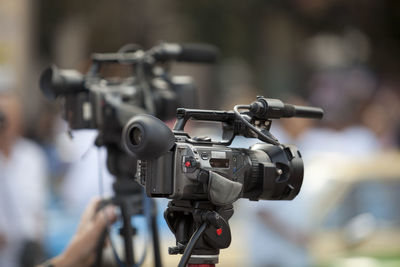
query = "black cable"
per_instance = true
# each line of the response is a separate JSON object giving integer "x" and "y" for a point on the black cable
{"x": 99, "y": 248}
{"x": 192, "y": 242}
{"x": 102, "y": 239}
{"x": 252, "y": 127}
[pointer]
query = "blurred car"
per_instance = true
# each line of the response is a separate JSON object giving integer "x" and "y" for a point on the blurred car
{"x": 357, "y": 215}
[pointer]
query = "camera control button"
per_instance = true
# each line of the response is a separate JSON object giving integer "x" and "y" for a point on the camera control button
{"x": 204, "y": 156}
{"x": 219, "y": 231}
{"x": 189, "y": 164}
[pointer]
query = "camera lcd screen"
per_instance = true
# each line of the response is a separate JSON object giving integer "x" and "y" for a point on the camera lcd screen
{"x": 219, "y": 163}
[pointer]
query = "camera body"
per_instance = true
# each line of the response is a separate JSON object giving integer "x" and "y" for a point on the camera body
{"x": 174, "y": 165}
{"x": 264, "y": 171}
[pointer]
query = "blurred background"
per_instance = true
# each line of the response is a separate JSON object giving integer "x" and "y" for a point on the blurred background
{"x": 343, "y": 56}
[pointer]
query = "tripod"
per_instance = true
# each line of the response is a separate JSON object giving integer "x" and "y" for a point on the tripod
{"x": 129, "y": 197}
{"x": 201, "y": 229}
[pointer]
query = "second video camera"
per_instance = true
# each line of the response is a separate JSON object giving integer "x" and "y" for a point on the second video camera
{"x": 95, "y": 101}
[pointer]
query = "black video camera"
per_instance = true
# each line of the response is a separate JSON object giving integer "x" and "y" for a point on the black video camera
{"x": 174, "y": 165}
{"x": 96, "y": 102}
{"x": 204, "y": 177}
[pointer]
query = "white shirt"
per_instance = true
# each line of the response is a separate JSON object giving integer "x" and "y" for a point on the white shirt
{"x": 264, "y": 244}
{"x": 22, "y": 198}
{"x": 81, "y": 182}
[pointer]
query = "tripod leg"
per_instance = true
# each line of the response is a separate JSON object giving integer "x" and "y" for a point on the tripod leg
{"x": 127, "y": 233}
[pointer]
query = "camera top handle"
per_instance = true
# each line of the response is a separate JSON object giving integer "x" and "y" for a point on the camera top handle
{"x": 243, "y": 123}
{"x": 183, "y": 115}
{"x": 195, "y": 53}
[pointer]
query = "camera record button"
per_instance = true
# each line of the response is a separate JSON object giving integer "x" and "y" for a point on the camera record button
{"x": 189, "y": 164}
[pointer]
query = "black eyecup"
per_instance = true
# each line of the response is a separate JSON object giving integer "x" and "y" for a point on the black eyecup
{"x": 155, "y": 140}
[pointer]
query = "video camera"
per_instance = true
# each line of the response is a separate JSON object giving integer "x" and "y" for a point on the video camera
{"x": 98, "y": 101}
{"x": 204, "y": 177}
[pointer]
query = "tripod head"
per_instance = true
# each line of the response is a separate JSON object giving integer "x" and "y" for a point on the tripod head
{"x": 201, "y": 229}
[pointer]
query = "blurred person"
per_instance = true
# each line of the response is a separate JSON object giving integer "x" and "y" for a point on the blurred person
{"x": 23, "y": 174}
{"x": 87, "y": 164}
{"x": 42, "y": 130}
{"x": 81, "y": 251}
{"x": 342, "y": 84}
{"x": 84, "y": 174}
{"x": 343, "y": 94}
{"x": 277, "y": 232}
{"x": 382, "y": 115}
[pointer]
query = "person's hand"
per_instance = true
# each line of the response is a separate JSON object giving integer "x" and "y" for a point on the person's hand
{"x": 82, "y": 248}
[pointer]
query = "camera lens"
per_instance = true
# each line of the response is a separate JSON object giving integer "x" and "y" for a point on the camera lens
{"x": 55, "y": 82}
{"x": 136, "y": 136}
